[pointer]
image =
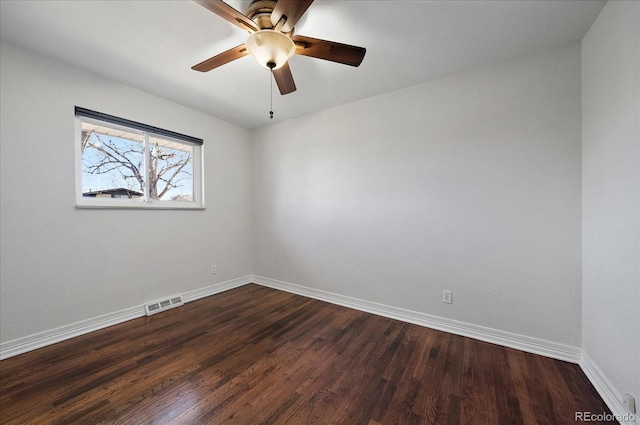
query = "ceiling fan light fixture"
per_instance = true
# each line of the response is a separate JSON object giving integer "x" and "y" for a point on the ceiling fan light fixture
{"x": 270, "y": 47}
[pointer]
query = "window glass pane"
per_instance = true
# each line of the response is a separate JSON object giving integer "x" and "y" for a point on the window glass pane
{"x": 170, "y": 170}
{"x": 112, "y": 163}
{"x": 128, "y": 167}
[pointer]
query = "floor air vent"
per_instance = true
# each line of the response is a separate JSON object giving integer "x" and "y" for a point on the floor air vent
{"x": 164, "y": 305}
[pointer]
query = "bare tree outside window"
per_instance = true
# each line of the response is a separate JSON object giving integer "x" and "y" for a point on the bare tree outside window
{"x": 114, "y": 159}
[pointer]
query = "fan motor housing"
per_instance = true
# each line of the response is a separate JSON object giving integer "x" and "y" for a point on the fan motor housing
{"x": 259, "y": 11}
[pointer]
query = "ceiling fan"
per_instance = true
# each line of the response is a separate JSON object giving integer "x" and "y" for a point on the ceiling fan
{"x": 272, "y": 41}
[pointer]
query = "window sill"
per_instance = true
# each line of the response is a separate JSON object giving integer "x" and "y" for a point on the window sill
{"x": 137, "y": 206}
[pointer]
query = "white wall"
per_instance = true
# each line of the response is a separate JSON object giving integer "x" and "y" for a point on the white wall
{"x": 470, "y": 183}
{"x": 611, "y": 196}
{"x": 61, "y": 265}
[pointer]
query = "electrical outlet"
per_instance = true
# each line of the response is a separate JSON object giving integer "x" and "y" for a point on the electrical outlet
{"x": 446, "y": 296}
{"x": 214, "y": 269}
{"x": 630, "y": 403}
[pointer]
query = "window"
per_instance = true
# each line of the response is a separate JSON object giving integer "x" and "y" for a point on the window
{"x": 125, "y": 164}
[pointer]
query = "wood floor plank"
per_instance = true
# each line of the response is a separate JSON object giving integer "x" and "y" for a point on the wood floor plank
{"x": 254, "y": 355}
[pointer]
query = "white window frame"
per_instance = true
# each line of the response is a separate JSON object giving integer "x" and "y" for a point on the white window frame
{"x": 144, "y": 202}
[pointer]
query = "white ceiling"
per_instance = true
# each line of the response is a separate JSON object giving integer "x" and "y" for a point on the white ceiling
{"x": 151, "y": 45}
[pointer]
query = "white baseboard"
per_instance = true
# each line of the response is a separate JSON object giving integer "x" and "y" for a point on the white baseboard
{"x": 53, "y": 336}
{"x": 607, "y": 391}
{"x": 196, "y": 294}
{"x": 520, "y": 342}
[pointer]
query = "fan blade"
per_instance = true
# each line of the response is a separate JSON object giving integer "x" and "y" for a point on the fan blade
{"x": 224, "y": 57}
{"x": 284, "y": 79}
{"x": 292, "y": 9}
{"x": 329, "y": 50}
{"x": 227, "y": 12}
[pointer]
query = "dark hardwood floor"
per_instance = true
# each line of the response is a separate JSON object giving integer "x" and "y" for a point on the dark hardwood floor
{"x": 255, "y": 355}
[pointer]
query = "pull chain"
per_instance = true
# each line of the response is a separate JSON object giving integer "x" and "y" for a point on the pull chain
{"x": 271, "y": 110}
{"x": 271, "y": 65}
